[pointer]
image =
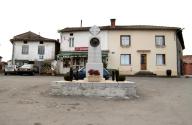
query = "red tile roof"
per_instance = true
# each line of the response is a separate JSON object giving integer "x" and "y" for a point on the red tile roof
{"x": 128, "y": 27}
{"x": 30, "y": 36}
{"x": 187, "y": 59}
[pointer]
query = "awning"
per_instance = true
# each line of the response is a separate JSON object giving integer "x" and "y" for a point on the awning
{"x": 68, "y": 54}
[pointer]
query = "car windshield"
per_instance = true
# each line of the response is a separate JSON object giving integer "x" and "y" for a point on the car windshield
{"x": 27, "y": 66}
{"x": 82, "y": 69}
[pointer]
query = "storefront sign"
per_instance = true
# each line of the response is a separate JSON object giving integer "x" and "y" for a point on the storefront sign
{"x": 81, "y": 48}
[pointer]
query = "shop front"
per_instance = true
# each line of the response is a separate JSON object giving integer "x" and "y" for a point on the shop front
{"x": 76, "y": 59}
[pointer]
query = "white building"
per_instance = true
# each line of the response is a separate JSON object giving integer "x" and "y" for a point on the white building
{"x": 74, "y": 47}
{"x": 31, "y": 48}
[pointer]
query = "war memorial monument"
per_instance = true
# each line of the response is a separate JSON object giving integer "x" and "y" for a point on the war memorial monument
{"x": 94, "y": 84}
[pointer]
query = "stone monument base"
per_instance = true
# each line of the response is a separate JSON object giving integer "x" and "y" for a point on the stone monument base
{"x": 105, "y": 88}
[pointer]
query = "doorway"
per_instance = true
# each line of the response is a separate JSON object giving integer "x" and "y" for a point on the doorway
{"x": 143, "y": 61}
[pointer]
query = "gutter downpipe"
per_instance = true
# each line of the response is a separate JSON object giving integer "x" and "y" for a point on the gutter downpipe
{"x": 13, "y": 58}
{"x": 177, "y": 52}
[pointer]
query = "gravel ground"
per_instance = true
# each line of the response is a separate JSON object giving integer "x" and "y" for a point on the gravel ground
{"x": 25, "y": 100}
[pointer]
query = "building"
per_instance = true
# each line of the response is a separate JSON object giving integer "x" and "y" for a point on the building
{"x": 32, "y": 48}
{"x": 187, "y": 65}
{"x": 1, "y": 65}
{"x": 74, "y": 48}
{"x": 132, "y": 49}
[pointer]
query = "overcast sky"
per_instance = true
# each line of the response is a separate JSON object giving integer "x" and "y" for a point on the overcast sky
{"x": 48, "y": 16}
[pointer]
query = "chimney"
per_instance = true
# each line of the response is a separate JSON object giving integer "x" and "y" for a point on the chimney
{"x": 81, "y": 23}
{"x": 113, "y": 23}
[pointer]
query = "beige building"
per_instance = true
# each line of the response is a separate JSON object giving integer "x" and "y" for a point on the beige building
{"x": 139, "y": 49}
{"x": 145, "y": 49}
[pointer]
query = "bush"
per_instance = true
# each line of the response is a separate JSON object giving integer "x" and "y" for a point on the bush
{"x": 117, "y": 75}
{"x": 67, "y": 77}
{"x": 93, "y": 72}
{"x": 168, "y": 72}
{"x": 96, "y": 72}
{"x": 121, "y": 78}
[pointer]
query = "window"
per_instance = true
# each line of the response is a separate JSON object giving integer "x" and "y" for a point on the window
{"x": 40, "y": 56}
{"x": 25, "y": 42}
{"x": 125, "y": 59}
{"x": 40, "y": 42}
{"x": 71, "y": 42}
{"x": 41, "y": 50}
{"x": 160, "y": 40}
{"x": 66, "y": 62}
{"x": 125, "y": 40}
{"x": 160, "y": 59}
{"x": 25, "y": 49}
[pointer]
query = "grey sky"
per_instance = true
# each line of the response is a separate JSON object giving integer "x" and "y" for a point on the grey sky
{"x": 47, "y": 16}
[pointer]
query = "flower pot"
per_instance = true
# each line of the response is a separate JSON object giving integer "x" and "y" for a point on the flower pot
{"x": 94, "y": 78}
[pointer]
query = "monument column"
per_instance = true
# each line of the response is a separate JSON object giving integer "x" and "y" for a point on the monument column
{"x": 94, "y": 52}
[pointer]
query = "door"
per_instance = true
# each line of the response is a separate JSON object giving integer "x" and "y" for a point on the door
{"x": 143, "y": 61}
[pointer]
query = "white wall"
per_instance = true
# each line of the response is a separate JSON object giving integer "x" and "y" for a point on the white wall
{"x": 81, "y": 39}
{"x": 33, "y": 51}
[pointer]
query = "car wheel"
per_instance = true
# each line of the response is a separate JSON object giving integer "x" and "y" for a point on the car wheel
{"x": 32, "y": 73}
{"x": 5, "y": 73}
{"x": 106, "y": 78}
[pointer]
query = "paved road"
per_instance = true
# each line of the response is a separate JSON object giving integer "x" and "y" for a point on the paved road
{"x": 25, "y": 100}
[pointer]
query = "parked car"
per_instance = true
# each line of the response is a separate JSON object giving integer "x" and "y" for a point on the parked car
{"x": 10, "y": 69}
{"x": 82, "y": 73}
{"x": 26, "y": 69}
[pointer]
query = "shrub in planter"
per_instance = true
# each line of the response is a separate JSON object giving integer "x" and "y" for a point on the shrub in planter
{"x": 168, "y": 72}
{"x": 117, "y": 75}
{"x": 94, "y": 76}
{"x": 91, "y": 71}
{"x": 67, "y": 77}
{"x": 121, "y": 78}
{"x": 96, "y": 72}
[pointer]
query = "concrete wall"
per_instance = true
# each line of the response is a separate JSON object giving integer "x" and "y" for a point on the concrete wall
{"x": 33, "y": 51}
{"x": 143, "y": 40}
{"x": 81, "y": 39}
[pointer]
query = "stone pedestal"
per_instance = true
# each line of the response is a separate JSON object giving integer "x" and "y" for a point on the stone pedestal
{"x": 105, "y": 88}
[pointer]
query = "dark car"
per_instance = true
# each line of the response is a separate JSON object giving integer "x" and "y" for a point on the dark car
{"x": 81, "y": 74}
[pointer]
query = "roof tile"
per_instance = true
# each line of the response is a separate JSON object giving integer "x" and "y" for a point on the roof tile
{"x": 30, "y": 36}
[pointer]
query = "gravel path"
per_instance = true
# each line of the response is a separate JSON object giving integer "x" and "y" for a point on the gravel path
{"x": 25, "y": 100}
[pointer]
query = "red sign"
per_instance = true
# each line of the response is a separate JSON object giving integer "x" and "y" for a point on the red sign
{"x": 81, "y": 48}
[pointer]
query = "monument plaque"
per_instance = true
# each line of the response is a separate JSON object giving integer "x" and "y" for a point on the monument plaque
{"x": 94, "y": 52}
{"x": 94, "y": 42}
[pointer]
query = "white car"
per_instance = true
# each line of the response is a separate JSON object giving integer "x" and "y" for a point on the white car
{"x": 26, "y": 69}
{"x": 10, "y": 69}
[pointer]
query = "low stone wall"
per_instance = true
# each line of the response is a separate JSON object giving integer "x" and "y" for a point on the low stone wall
{"x": 105, "y": 88}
